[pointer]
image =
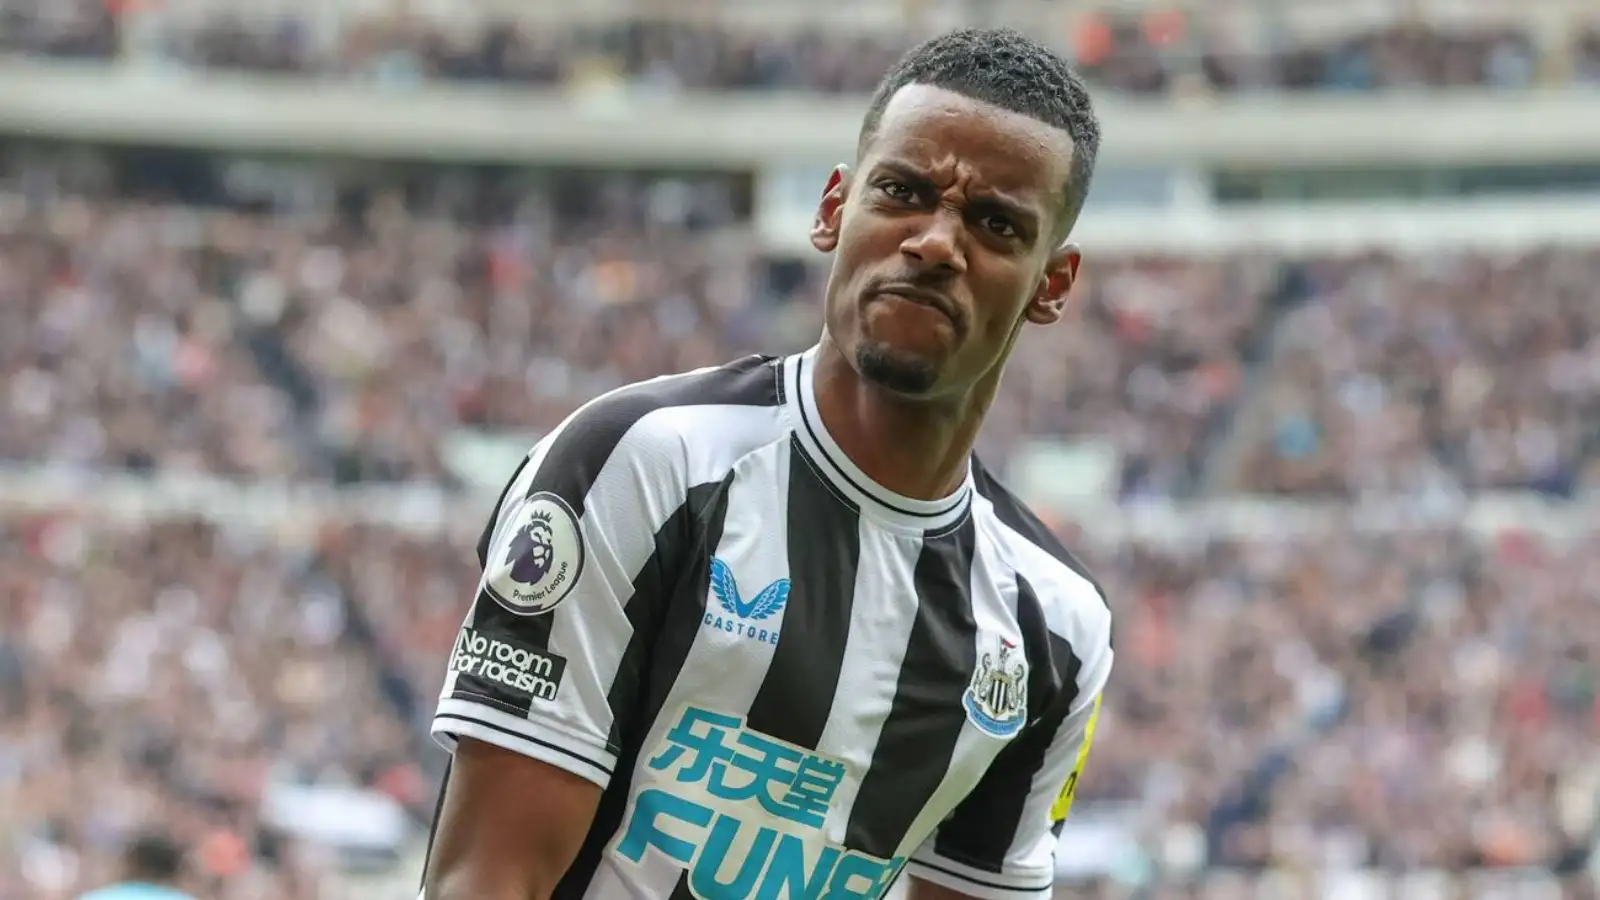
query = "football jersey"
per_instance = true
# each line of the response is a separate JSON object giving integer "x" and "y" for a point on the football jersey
{"x": 788, "y": 681}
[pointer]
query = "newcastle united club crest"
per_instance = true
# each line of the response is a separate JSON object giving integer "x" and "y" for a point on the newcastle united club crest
{"x": 997, "y": 699}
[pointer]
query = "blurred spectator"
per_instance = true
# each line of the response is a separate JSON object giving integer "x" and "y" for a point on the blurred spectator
{"x": 1401, "y": 702}
{"x": 1455, "y": 373}
{"x": 67, "y": 29}
{"x": 192, "y": 676}
{"x": 153, "y": 868}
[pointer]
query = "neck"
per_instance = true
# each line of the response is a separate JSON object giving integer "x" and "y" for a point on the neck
{"x": 916, "y": 448}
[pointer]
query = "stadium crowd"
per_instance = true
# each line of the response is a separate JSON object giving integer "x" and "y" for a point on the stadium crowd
{"x": 178, "y": 673}
{"x": 1145, "y": 54}
{"x": 1343, "y": 699}
{"x": 178, "y": 327}
{"x": 156, "y": 335}
{"x": 1455, "y": 372}
{"x": 1403, "y": 701}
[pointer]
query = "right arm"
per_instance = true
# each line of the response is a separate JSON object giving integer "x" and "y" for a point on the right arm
{"x": 541, "y": 676}
{"x": 492, "y": 840}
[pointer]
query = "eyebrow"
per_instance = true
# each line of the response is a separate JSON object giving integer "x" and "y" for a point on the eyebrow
{"x": 985, "y": 202}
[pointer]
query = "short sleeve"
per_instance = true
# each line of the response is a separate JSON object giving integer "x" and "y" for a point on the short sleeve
{"x": 580, "y": 547}
{"x": 1000, "y": 843}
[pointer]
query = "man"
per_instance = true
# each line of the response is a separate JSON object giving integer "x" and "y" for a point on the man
{"x": 153, "y": 866}
{"x": 769, "y": 630}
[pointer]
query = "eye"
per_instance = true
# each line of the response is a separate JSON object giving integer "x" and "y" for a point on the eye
{"x": 897, "y": 191}
{"x": 999, "y": 226}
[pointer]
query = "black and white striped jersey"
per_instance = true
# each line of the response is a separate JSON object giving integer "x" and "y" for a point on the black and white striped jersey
{"x": 790, "y": 682}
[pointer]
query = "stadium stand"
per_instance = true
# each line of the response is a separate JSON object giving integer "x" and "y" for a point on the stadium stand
{"x": 249, "y": 409}
{"x": 139, "y": 329}
{"x": 1145, "y": 51}
{"x": 1417, "y": 702}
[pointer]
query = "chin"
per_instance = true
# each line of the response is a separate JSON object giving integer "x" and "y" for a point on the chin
{"x": 899, "y": 371}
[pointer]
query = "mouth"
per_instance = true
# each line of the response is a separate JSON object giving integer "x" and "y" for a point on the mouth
{"x": 924, "y": 297}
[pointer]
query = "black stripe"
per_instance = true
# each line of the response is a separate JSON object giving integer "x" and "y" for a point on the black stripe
{"x": 918, "y": 739}
{"x": 1017, "y": 517}
{"x": 661, "y": 656}
{"x": 796, "y": 695}
{"x": 533, "y": 632}
{"x": 653, "y": 591}
{"x": 983, "y": 826}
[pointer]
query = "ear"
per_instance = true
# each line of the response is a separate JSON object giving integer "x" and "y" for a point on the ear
{"x": 830, "y": 211}
{"x": 1049, "y": 303}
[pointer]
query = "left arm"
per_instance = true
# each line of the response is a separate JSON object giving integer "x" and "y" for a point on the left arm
{"x": 1000, "y": 842}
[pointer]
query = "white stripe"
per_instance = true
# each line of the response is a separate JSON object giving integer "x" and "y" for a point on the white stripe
{"x": 543, "y": 740}
{"x": 882, "y": 615}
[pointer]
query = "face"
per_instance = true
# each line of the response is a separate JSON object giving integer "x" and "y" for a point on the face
{"x": 948, "y": 238}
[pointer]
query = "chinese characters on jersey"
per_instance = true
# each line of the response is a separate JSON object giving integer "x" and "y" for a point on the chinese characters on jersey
{"x": 744, "y": 814}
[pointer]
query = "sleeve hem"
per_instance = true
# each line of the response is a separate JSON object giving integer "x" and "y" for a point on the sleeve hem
{"x": 462, "y": 719}
{"x": 983, "y": 885}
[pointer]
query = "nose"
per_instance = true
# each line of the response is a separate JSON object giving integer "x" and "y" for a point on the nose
{"x": 936, "y": 244}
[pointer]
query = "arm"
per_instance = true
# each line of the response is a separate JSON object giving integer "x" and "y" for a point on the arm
{"x": 963, "y": 861}
{"x": 491, "y": 842}
{"x": 999, "y": 843}
{"x": 545, "y": 668}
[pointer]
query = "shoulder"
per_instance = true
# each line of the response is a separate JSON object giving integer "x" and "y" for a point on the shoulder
{"x": 640, "y": 449}
{"x": 1074, "y": 604}
{"x": 749, "y": 383}
{"x": 664, "y": 425}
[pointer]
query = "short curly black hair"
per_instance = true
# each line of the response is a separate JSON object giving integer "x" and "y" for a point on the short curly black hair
{"x": 1005, "y": 68}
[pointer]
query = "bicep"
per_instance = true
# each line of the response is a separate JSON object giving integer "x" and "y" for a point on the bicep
{"x": 509, "y": 826}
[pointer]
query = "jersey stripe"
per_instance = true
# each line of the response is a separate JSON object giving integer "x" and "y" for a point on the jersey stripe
{"x": 1021, "y": 520}
{"x": 673, "y": 543}
{"x": 587, "y": 440}
{"x": 574, "y": 464}
{"x": 983, "y": 827}
{"x": 795, "y": 697}
{"x": 881, "y": 620}
{"x": 926, "y": 717}
{"x": 679, "y": 625}
{"x": 824, "y": 551}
